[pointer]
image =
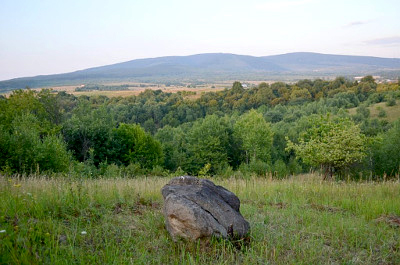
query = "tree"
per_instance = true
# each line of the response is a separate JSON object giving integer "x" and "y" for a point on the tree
{"x": 331, "y": 144}
{"x": 367, "y": 84}
{"x": 386, "y": 155}
{"x": 237, "y": 87}
{"x": 134, "y": 145}
{"x": 173, "y": 144}
{"x": 256, "y": 136}
{"x": 209, "y": 142}
{"x": 24, "y": 150}
{"x": 90, "y": 128}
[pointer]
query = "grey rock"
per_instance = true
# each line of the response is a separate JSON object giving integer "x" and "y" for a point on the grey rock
{"x": 197, "y": 208}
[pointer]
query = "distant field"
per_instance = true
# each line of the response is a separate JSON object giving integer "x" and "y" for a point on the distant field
{"x": 300, "y": 220}
{"x": 136, "y": 90}
{"x": 392, "y": 112}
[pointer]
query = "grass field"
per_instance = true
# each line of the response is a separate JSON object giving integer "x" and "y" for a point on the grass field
{"x": 135, "y": 90}
{"x": 301, "y": 220}
{"x": 392, "y": 112}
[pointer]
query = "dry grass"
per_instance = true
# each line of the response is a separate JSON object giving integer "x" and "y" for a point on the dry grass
{"x": 134, "y": 91}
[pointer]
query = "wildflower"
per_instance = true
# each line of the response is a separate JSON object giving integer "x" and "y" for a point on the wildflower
{"x": 83, "y": 233}
{"x": 2, "y": 231}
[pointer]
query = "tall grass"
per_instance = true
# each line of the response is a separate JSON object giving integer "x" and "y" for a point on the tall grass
{"x": 119, "y": 221}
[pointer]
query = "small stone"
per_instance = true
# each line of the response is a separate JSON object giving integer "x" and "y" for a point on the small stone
{"x": 62, "y": 239}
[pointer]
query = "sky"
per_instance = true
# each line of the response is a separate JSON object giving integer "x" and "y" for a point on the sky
{"x": 40, "y": 37}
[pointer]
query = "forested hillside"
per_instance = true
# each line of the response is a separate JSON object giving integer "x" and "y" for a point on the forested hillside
{"x": 275, "y": 130}
{"x": 210, "y": 67}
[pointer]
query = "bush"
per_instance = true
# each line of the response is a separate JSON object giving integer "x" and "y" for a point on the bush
{"x": 133, "y": 170}
{"x": 179, "y": 172}
{"x": 158, "y": 171}
{"x": 25, "y": 149}
{"x": 226, "y": 172}
{"x": 112, "y": 171}
{"x": 280, "y": 169}
{"x": 382, "y": 113}
{"x": 294, "y": 167}
{"x": 255, "y": 168}
{"x": 391, "y": 102}
{"x": 386, "y": 154}
{"x": 86, "y": 170}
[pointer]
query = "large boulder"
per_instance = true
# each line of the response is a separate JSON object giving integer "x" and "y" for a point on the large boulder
{"x": 197, "y": 208}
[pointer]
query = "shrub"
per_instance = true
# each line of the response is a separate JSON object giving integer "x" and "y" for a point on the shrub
{"x": 280, "y": 169}
{"x": 255, "y": 168}
{"x": 134, "y": 169}
{"x": 391, "y": 102}
{"x": 112, "y": 171}
{"x": 382, "y": 113}
{"x": 158, "y": 171}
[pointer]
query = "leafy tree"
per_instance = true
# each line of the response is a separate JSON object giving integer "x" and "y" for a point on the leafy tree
{"x": 331, "y": 144}
{"x": 134, "y": 145}
{"x": 237, "y": 87}
{"x": 256, "y": 136}
{"x": 22, "y": 102}
{"x": 366, "y": 85}
{"x": 386, "y": 155}
{"x": 24, "y": 150}
{"x": 208, "y": 143}
{"x": 90, "y": 128}
{"x": 174, "y": 146}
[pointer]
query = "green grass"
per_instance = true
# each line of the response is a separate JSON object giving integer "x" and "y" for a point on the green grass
{"x": 301, "y": 220}
{"x": 392, "y": 112}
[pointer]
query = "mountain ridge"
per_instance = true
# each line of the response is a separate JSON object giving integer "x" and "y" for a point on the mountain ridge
{"x": 216, "y": 66}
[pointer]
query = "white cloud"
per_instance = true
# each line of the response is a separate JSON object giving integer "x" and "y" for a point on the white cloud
{"x": 356, "y": 23}
{"x": 394, "y": 40}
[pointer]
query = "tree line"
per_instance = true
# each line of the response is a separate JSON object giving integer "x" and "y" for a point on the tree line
{"x": 277, "y": 129}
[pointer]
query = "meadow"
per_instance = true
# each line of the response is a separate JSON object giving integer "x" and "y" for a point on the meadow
{"x": 298, "y": 220}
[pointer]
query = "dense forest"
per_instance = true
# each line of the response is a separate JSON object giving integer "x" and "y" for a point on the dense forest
{"x": 274, "y": 130}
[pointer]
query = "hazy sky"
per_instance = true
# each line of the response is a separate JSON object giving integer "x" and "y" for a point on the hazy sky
{"x": 51, "y": 36}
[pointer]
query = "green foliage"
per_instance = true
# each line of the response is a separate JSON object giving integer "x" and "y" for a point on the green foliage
{"x": 90, "y": 128}
{"x": 174, "y": 148}
{"x": 224, "y": 129}
{"x": 134, "y": 170}
{"x": 280, "y": 169}
{"x": 256, "y": 136}
{"x": 25, "y": 150}
{"x": 382, "y": 113}
{"x": 255, "y": 168}
{"x": 208, "y": 143}
{"x": 331, "y": 144}
{"x": 391, "y": 102}
{"x": 386, "y": 154}
{"x": 237, "y": 87}
{"x": 134, "y": 145}
{"x": 363, "y": 111}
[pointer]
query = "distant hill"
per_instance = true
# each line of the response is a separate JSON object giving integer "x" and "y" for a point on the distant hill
{"x": 217, "y": 66}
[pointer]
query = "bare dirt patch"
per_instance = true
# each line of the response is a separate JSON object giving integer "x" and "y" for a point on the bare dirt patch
{"x": 392, "y": 220}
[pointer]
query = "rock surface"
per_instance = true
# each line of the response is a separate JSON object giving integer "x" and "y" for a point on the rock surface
{"x": 197, "y": 208}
